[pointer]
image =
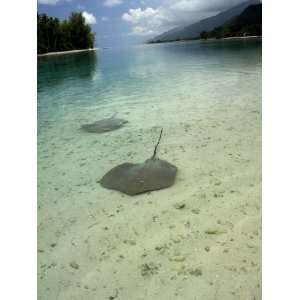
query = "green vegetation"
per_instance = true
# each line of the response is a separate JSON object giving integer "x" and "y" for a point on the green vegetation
{"x": 54, "y": 35}
{"x": 248, "y": 23}
{"x": 204, "y": 35}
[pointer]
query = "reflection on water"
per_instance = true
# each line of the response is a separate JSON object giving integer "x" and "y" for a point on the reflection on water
{"x": 54, "y": 70}
{"x": 84, "y": 81}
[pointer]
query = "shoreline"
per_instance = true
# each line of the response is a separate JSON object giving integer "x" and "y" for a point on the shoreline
{"x": 66, "y": 52}
{"x": 242, "y": 37}
{"x": 210, "y": 39}
{"x": 233, "y": 38}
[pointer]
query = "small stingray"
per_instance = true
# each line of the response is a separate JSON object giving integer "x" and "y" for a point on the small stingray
{"x": 132, "y": 179}
{"x": 104, "y": 125}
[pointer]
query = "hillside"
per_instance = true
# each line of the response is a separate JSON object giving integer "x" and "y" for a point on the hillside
{"x": 193, "y": 31}
{"x": 248, "y": 23}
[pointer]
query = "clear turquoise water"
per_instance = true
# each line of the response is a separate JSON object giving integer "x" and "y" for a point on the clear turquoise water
{"x": 207, "y": 97}
{"x": 75, "y": 82}
{"x": 150, "y": 86}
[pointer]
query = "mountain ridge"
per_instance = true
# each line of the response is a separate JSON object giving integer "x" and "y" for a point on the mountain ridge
{"x": 193, "y": 31}
{"x": 248, "y": 23}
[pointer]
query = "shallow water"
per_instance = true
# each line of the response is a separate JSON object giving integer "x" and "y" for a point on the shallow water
{"x": 207, "y": 97}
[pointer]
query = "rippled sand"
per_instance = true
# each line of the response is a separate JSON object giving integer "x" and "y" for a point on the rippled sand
{"x": 200, "y": 239}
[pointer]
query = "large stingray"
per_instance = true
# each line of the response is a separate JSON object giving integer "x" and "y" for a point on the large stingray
{"x": 133, "y": 179}
{"x": 104, "y": 125}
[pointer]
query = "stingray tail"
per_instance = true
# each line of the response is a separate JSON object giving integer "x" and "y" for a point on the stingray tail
{"x": 113, "y": 115}
{"x": 155, "y": 149}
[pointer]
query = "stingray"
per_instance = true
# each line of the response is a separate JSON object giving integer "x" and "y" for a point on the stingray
{"x": 133, "y": 179}
{"x": 104, "y": 125}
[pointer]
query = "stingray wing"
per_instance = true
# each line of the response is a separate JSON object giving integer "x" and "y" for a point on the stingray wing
{"x": 104, "y": 125}
{"x": 133, "y": 179}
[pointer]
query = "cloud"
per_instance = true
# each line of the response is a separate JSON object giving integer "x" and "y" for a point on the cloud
{"x": 104, "y": 19}
{"x": 49, "y": 2}
{"x": 147, "y": 21}
{"x": 139, "y": 30}
{"x": 52, "y": 2}
{"x": 138, "y": 15}
{"x": 111, "y": 3}
{"x": 89, "y": 18}
{"x": 173, "y": 13}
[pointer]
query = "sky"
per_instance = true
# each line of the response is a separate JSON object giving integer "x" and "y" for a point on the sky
{"x": 124, "y": 22}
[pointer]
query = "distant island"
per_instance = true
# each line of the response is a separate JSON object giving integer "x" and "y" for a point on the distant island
{"x": 239, "y": 21}
{"x": 54, "y": 35}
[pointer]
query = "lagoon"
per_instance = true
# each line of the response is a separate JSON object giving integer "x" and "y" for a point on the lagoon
{"x": 207, "y": 98}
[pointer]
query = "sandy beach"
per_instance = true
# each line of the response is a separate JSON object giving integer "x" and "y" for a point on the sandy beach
{"x": 243, "y": 37}
{"x": 67, "y": 52}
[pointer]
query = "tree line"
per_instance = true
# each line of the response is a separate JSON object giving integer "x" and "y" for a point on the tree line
{"x": 54, "y": 35}
{"x": 230, "y": 31}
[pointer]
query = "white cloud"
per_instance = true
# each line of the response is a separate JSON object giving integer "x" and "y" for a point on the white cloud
{"x": 49, "y": 2}
{"x": 203, "y": 5}
{"x": 111, "y": 3}
{"x": 147, "y": 21}
{"x": 173, "y": 13}
{"x": 104, "y": 19}
{"x": 138, "y": 15}
{"x": 52, "y": 2}
{"x": 89, "y": 18}
{"x": 139, "y": 30}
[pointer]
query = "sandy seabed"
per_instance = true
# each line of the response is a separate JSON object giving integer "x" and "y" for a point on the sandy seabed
{"x": 199, "y": 239}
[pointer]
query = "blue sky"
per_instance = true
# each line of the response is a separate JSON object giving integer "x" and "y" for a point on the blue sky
{"x": 123, "y": 22}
